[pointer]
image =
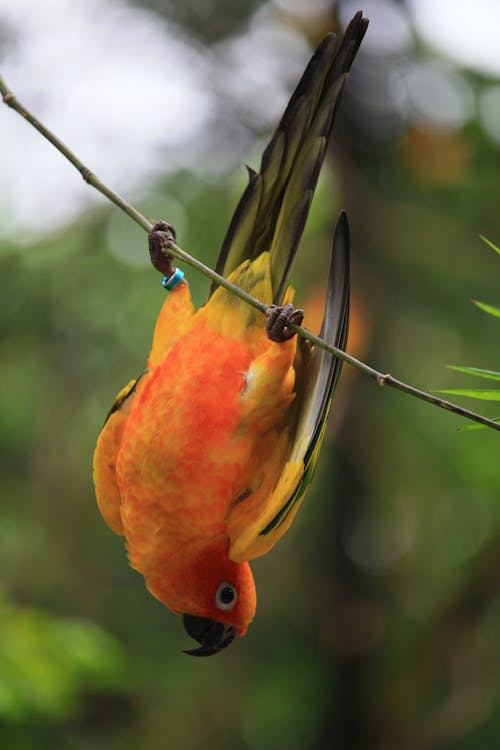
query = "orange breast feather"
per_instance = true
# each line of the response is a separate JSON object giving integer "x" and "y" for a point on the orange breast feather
{"x": 194, "y": 439}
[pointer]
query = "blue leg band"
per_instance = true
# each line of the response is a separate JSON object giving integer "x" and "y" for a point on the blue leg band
{"x": 170, "y": 282}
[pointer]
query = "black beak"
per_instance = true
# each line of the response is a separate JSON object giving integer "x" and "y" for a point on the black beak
{"x": 213, "y": 636}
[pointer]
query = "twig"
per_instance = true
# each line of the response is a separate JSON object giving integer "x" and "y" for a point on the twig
{"x": 171, "y": 247}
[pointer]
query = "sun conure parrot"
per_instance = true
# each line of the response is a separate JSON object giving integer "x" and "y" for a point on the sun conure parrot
{"x": 204, "y": 459}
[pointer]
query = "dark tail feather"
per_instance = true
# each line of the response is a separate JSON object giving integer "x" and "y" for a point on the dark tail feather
{"x": 318, "y": 378}
{"x": 273, "y": 210}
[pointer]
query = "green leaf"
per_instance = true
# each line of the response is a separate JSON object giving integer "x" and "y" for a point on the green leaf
{"x": 469, "y": 427}
{"x": 483, "y": 395}
{"x": 477, "y": 371}
{"x": 490, "y": 244}
{"x": 48, "y": 665}
{"x": 490, "y": 309}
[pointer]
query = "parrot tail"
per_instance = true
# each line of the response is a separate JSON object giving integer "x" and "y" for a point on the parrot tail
{"x": 272, "y": 212}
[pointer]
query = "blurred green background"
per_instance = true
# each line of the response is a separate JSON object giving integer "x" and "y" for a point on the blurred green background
{"x": 379, "y": 613}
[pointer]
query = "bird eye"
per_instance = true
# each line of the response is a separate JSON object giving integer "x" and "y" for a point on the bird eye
{"x": 225, "y": 596}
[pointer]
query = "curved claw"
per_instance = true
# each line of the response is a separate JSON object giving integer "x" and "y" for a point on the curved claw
{"x": 161, "y": 233}
{"x": 278, "y": 320}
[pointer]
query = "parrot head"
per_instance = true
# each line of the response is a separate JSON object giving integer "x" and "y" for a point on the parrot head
{"x": 214, "y": 595}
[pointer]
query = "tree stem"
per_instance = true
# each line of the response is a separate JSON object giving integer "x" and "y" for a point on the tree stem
{"x": 171, "y": 247}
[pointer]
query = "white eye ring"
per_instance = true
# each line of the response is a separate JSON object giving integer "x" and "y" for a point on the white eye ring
{"x": 226, "y": 596}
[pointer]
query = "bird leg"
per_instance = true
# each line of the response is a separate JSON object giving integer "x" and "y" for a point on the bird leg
{"x": 278, "y": 320}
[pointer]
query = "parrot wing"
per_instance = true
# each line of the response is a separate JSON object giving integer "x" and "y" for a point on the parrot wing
{"x": 255, "y": 523}
{"x": 106, "y": 451}
{"x": 273, "y": 209}
{"x": 175, "y": 315}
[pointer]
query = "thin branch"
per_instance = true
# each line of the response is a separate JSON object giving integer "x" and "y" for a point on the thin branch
{"x": 11, "y": 101}
{"x": 170, "y": 246}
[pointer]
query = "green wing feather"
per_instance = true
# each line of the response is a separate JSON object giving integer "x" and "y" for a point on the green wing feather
{"x": 274, "y": 207}
{"x": 123, "y": 396}
{"x": 270, "y": 217}
{"x": 318, "y": 372}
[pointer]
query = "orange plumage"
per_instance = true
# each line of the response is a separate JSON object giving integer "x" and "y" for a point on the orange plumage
{"x": 204, "y": 460}
{"x": 204, "y": 425}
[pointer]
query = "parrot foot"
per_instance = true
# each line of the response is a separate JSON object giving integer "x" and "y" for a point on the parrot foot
{"x": 158, "y": 238}
{"x": 278, "y": 320}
